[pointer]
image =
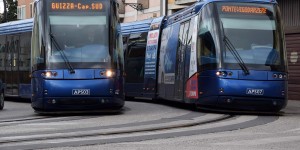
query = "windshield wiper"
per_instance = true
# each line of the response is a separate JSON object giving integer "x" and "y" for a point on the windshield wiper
{"x": 62, "y": 53}
{"x": 234, "y": 52}
{"x": 236, "y": 55}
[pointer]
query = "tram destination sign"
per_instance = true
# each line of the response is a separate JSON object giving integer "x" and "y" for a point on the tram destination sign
{"x": 76, "y": 6}
{"x": 244, "y": 9}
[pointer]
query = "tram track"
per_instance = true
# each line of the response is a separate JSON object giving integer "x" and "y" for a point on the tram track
{"x": 43, "y": 119}
{"x": 19, "y": 119}
{"x": 188, "y": 116}
{"x": 110, "y": 131}
{"x": 125, "y": 135}
{"x": 140, "y": 124}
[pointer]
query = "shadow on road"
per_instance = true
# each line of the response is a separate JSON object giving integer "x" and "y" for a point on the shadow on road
{"x": 19, "y": 100}
{"x": 289, "y": 109}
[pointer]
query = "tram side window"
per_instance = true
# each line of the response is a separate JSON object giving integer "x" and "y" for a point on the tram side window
{"x": 125, "y": 42}
{"x": 118, "y": 46}
{"x": 37, "y": 46}
{"x": 207, "y": 56}
{"x": 24, "y": 57}
{"x": 2, "y": 56}
{"x": 135, "y": 58}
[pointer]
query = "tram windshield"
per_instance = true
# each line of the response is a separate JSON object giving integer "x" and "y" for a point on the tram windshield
{"x": 254, "y": 33}
{"x": 79, "y": 34}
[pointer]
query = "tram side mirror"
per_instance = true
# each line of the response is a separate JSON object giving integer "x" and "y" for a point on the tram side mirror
{"x": 272, "y": 58}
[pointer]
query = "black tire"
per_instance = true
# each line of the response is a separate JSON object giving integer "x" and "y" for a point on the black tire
{"x": 1, "y": 100}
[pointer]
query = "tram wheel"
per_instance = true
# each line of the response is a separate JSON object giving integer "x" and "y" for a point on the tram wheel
{"x": 1, "y": 100}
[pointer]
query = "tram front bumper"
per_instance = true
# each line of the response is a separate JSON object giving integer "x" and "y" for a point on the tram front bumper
{"x": 75, "y": 95}
{"x": 83, "y": 103}
{"x": 249, "y": 95}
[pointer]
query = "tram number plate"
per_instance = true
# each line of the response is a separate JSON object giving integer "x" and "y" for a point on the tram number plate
{"x": 81, "y": 92}
{"x": 255, "y": 91}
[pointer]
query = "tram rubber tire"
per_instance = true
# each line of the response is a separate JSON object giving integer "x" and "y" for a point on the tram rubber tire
{"x": 1, "y": 100}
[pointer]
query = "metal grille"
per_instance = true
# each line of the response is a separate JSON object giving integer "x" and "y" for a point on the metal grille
{"x": 290, "y": 11}
{"x": 293, "y": 49}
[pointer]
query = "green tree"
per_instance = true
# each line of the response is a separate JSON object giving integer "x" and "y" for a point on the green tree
{"x": 11, "y": 7}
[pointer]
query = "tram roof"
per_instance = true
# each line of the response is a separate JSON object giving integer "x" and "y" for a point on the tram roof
{"x": 196, "y": 7}
{"x": 265, "y": 1}
{"x": 14, "y": 27}
{"x": 136, "y": 27}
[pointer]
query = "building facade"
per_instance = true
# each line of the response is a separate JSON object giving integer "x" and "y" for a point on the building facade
{"x": 134, "y": 10}
{"x": 25, "y": 9}
{"x": 290, "y": 12}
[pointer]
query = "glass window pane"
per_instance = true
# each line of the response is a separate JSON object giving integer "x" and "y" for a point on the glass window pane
{"x": 78, "y": 20}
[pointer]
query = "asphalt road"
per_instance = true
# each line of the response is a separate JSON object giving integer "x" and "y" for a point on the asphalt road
{"x": 143, "y": 125}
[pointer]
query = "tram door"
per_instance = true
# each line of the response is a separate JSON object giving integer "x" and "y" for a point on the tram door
{"x": 180, "y": 61}
{"x": 11, "y": 65}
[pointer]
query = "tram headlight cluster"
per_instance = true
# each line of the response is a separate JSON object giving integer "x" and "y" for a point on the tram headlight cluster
{"x": 108, "y": 73}
{"x": 279, "y": 76}
{"x": 223, "y": 73}
{"x": 49, "y": 74}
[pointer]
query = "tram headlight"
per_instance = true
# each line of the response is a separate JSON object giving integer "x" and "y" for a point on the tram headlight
{"x": 223, "y": 73}
{"x": 279, "y": 76}
{"x": 218, "y": 73}
{"x": 49, "y": 74}
{"x": 109, "y": 73}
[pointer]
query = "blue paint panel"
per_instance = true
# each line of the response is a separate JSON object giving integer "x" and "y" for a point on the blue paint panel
{"x": 254, "y": 75}
{"x": 211, "y": 86}
{"x": 239, "y": 74}
{"x": 136, "y": 27}
{"x": 16, "y": 26}
{"x": 37, "y": 85}
{"x": 80, "y": 74}
{"x": 64, "y": 88}
{"x": 102, "y": 93}
{"x": 234, "y": 94}
{"x": 239, "y": 87}
{"x": 83, "y": 104}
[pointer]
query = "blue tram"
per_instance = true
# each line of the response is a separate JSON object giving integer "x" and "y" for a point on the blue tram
{"x": 221, "y": 54}
{"x": 76, "y": 57}
{"x": 15, "y": 50}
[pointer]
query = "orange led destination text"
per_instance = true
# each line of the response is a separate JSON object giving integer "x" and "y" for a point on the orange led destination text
{"x": 242, "y": 9}
{"x": 76, "y": 6}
